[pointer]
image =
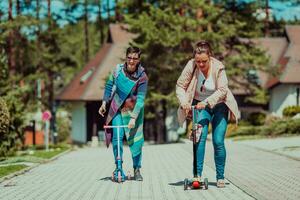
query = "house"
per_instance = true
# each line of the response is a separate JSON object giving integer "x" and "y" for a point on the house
{"x": 86, "y": 90}
{"x": 284, "y": 53}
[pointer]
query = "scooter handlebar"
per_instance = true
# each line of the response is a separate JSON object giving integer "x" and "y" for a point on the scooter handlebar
{"x": 192, "y": 107}
{"x": 120, "y": 126}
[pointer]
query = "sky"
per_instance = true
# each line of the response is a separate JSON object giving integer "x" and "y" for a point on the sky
{"x": 58, "y": 5}
{"x": 280, "y": 9}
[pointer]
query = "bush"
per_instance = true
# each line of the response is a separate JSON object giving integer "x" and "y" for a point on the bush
{"x": 4, "y": 118}
{"x": 17, "y": 109}
{"x": 293, "y": 126}
{"x": 244, "y": 131}
{"x": 257, "y": 118}
{"x": 270, "y": 119}
{"x": 63, "y": 128}
{"x": 4, "y": 128}
{"x": 290, "y": 111}
{"x": 279, "y": 127}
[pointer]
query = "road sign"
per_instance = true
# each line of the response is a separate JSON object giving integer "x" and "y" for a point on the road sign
{"x": 46, "y": 116}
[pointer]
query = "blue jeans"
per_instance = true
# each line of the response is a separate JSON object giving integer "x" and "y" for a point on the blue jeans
{"x": 218, "y": 116}
{"x": 116, "y": 121}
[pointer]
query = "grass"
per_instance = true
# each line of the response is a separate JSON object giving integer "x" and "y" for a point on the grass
{"x": 49, "y": 154}
{"x": 247, "y": 137}
{"x": 6, "y": 170}
{"x": 254, "y": 137}
{"x": 29, "y": 156}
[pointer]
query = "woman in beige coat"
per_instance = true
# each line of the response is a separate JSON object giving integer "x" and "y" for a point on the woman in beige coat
{"x": 203, "y": 83}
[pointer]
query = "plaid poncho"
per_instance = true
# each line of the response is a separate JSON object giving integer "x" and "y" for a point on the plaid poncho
{"x": 122, "y": 90}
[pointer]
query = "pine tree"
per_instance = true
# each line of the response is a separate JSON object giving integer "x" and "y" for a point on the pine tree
{"x": 167, "y": 32}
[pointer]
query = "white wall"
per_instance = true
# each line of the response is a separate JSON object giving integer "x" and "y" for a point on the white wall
{"x": 79, "y": 122}
{"x": 172, "y": 126}
{"x": 282, "y": 96}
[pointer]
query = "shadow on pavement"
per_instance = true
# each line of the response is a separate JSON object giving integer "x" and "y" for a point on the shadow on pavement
{"x": 181, "y": 183}
{"x": 108, "y": 178}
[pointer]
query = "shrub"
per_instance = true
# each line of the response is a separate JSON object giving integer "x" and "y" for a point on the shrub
{"x": 17, "y": 109}
{"x": 257, "y": 118}
{"x": 244, "y": 131}
{"x": 290, "y": 111}
{"x": 4, "y": 118}
{"x": 293, "y": 126}
{"x": 270, "y": 119}
{"x": 63, "y": 128}
{"x": 264, "y": 130}
{"x": 279, "y": 128}
{"x": 4, "y": 128}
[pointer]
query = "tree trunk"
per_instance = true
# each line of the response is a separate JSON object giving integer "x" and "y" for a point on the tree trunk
{"x": 38, "y": 28}
{"x": 18, "y": 7}
{"x": 117, "y": 12}
{"x": 108, "y": 11}
{"x": 20, "y": 43}
{"x": 11, "y": 50}
{"x": 100, "y": 21}
{"x": 86, "y": 32}
{"x": 199, "y": 16}
{"x": 160, "y": 126}
{"x": 267, "y": 32}
{"x": 49, "y": 12}
{"x": 51, "y": 102}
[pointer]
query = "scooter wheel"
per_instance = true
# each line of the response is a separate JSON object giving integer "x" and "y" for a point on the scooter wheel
{"x": 205, "y": 183}
{"x": 128, "y": 176}
{"x": 119, "y": 177}
{"x": 196, "y": 185}
{"x": 185, "y": 184}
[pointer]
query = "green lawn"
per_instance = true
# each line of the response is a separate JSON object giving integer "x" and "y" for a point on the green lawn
{"x": 34, "y": 156}
{"x": 5, "y": 170}
{"x": 49, "y": 154}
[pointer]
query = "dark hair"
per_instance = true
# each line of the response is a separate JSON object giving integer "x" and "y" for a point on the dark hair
{"x": 133, "y": 49}
{"x": 202, "y": 47}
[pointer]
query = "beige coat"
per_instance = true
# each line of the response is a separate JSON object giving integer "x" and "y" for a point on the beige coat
{"x": 186, "y": 87}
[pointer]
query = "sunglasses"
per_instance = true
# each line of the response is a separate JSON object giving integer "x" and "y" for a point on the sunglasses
{"x": 132, "y": 58}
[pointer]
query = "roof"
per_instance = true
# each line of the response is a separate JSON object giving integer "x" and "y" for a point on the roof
{"x": 293, "y": 33}
{"x": 88, "y": 84}
{"x": 284, "y": 52}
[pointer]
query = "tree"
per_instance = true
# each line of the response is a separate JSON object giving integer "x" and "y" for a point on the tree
{"x": 5, "y": 140}
{"x": 167, "y": 31}
{"x": 52, "y": 54}
{"x": 86, "y": 31}
{"x": 100, "y": 21}
{"x": 11, "y": 49}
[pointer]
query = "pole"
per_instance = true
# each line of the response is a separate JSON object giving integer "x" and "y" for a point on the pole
{"x": 33, "y": 132}
{"x": 47, "y": 124}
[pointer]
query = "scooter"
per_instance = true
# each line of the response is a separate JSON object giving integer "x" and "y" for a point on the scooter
{"x": 195, "y": 183}
{"x": 118, "y": 175}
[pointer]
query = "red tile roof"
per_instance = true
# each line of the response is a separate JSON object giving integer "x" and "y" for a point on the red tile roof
{"x": 285, "y": 53}
{"x": 75, "y": 90}
{"x": 88, "y": 84}
{"x": 293, "y": 33}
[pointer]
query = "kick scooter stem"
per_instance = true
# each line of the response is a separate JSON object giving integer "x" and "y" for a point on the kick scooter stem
{"x": 118, "y": 136}
{"x": 118, "y": 175}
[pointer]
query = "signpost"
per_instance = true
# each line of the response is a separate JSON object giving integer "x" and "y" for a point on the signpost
{"x": 46, "y": 116}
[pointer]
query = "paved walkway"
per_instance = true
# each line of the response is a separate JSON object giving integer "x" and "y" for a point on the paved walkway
{"x": 288, "y": 146}
{"x": 85, "y": 174}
